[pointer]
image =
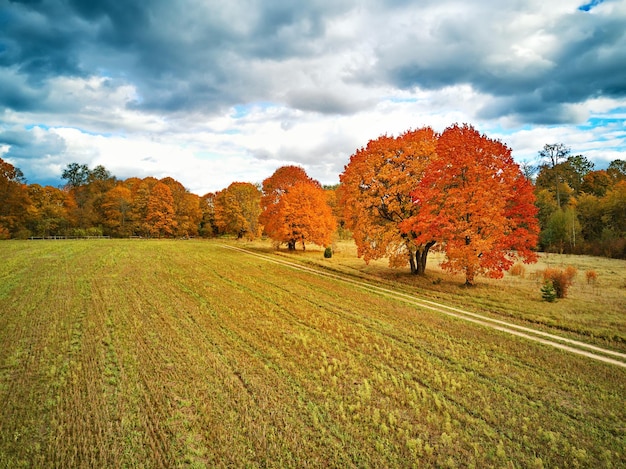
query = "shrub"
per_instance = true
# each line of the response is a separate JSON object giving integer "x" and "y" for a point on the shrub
{"x": 592, "y": 276}
{"x": 328, "y": 252}
{"x": 518, "y": 270}
{"x": 548, "y": 293}
{"x": 561, "y": 279}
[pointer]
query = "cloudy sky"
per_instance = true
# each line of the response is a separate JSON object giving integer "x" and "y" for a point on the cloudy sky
{"x": 212, "y": 91}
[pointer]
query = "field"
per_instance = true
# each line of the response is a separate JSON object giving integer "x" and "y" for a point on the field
{"x": 594, "y": 311}
{"x": 130, "y": 353}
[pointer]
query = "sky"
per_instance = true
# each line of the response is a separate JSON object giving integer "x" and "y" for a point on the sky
{"x": 210, "y": 92}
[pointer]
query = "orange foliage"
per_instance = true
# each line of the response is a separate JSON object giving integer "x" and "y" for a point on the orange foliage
{"x": 160, "y": 211}
{"x": 237, "y": 210}
{"x": 116, "y": 206}
{"x": 561, "y": 279}
{"x": 14, "y": 201}
{"x": 591, "y": 276}
{"x": 476, "y": 201}
{"x": 49, "y": 213}
{"x": 306, "y": 216}
{"x": 375, "y": 196}
{"x": 295, "y": 208}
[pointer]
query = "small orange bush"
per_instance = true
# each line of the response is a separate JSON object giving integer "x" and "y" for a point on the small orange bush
{"x": 592, "y": 276}
{"x": 561, "y": 279}
{"x": 518, "y": 270}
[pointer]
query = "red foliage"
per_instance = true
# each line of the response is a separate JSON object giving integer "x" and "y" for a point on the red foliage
{"x": 475, "y": 200}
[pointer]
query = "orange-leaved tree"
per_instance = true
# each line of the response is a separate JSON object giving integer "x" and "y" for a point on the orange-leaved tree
{"x": 14, "y": 201}
{"x": 237, "y": 209}
{"x": 49, "y": 211}
{"x": 117, "y": 206}
{"x": 375, "y": 195}
{"x": 280, "y": 210}
{"x": 305, "y": 216}
{"x": 160, "y": 214}
{"x": 477, "y": 203}
{"x": 186, "y": 208}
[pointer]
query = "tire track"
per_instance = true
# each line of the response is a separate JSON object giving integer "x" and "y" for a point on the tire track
{"x": 545, "y": 338}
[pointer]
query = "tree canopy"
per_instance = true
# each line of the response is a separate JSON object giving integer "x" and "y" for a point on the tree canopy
{"x": 237, "y": 210}
{"x": 477, "y": 203}
{"x": 375, "y": 193}
{"x": 295, "y": 209}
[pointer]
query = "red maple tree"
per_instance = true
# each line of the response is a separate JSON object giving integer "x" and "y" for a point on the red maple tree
{"x": 477, "y": 203}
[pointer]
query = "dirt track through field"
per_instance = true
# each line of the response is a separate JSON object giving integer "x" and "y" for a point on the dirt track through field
{"x": 562, "y": 343}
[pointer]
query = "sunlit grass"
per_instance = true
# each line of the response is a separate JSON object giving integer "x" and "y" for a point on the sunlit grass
{"x": 183, "y": 353}
{"x": 594, "y": 311}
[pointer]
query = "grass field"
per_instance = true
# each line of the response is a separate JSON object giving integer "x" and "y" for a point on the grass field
{"x": 128, "y": 353}
{"x": 594, "y": 312}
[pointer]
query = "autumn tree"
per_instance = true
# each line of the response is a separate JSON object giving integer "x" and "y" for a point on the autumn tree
{"x": 477, "y": 203}
{"x": 117, "y": 207}
{"x": 596, "y": 183}
{"x": 285, "y": 219}
{"x": 88, "y": 188}
{"x": 160, "y": 214}
{"x": 14, "y": 201}
{"x": 207, "y": 207}
{"x": 186, "y": 208}
{"x": 141, "y": 191}
{"x": 49, "y": 214}
{"x": 375, "y": 196}
{"x": 553, "y": 154}
{"x": 237, "y": 210}
{"x": 273, "y": 189}
{"x": 305, "y": 217}
{"x": 614, "y": 217}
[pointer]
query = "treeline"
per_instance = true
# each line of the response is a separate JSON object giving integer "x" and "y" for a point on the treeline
{"x": 94, "y": 203}
{"x": 580, "y": 209}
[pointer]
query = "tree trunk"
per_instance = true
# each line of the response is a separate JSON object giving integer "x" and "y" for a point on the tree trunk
{"x": 418, "y": 259}
{"x": 469, "y": 276}
{"x": 291, "y": 245}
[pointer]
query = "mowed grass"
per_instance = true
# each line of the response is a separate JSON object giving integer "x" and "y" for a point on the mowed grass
{"x": 123, "y": 353}
{"x": 592, "y": 311}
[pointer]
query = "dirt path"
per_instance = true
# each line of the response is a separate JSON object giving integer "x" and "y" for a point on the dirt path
{"x": 562, "y": 343}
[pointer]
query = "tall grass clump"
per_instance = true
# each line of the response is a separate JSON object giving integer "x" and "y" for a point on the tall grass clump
{"x": 518, "y": 270}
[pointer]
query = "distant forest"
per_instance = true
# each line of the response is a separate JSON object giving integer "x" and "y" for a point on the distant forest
{"x": 580, "y": 210}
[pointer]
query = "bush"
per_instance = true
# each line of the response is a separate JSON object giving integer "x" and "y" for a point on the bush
{"x": 591, "y": 276}
{"x": 328, "y": 252}
{"x": 518, "y": 270}
{"x": 561, "y": 279}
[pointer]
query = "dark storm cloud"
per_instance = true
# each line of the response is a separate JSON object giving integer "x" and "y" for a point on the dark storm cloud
{"x": 588, "y": 62}
{"x": 180, "y": 55}
{"x": 196, "y": 55}
{"x": 38, "y": 40}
